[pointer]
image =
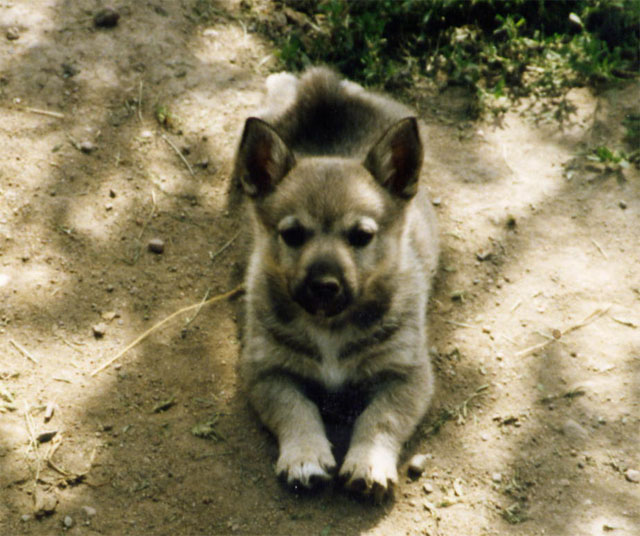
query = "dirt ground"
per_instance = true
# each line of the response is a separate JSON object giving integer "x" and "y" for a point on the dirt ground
{"x": 535, "y": 320}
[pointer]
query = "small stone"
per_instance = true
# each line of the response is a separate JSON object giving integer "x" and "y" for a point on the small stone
{"x": 622, "y": 205}
{"x": 436, "y": 201}
{"x": 45, "y": 437}
{"x": 574, "y": 431}
{"x": 25, "y": 517}
{"x": 496, "y": 477}
{"x": 49, "y": 410}
{"x": 565, "y": 482}
{"x": 106, "y": 18}
{"x": 67, "y": 522}
{"x": 45, "y": 504}
{"x": 99, "y": 330}
{"x": 632, "y": 475}
{"x": 417, "y": 464}
{"x": 484, "y": 255}
{"x": 156, "y": 245}
{"x": 86, "y": 147}
{"x": 428, "y": 488}
{"x": 12, "y": 33}
{"x": 89, "y": 511}
{"x": 484, "y": 437}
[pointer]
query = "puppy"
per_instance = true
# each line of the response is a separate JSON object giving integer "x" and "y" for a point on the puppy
{"x": 344, "y": 249}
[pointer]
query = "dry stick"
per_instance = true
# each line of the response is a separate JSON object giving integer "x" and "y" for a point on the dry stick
{"x": 179, "y": 153}
{"x": 540, "y": 346}
{"x": 48, "y": 113}
{"x": 140, "y": 102}
{"x": 23, "y": 351}
{"x": 33, "y": 443}
{"x": 204, "y": 299}
{"x": 224, "y": 247}
{"x": 219, "y": 297}
{"x": 602, "y": 252}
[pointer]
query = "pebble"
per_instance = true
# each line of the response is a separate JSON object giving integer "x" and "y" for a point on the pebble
{"x": 49, "y": 411}
{"x": 484, "y": 255}
{"x": 106, "y": 18}
{"x": 12, "y": 33}
{"x": 45, "y": 437}
{"x": 496, "y": 477}
{"x": 622, "y": 205}
{"x": 428, "y": 488}
{"x": 99, "y": 330}
{"x": 156, "y": 245}
{"x": 46, "y": 504}
{"x": 417, "y": 464}
{"x": 574, "y": 431}
{"x": 632, "y": 475}
{"x": 25, "y": 517}
{"x": 86, "y": 147}
{"x": 89, "y": 511}
{"x": 67, "y": 522}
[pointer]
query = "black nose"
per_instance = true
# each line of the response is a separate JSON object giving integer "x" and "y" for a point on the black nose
{"x": 324, "y": 288}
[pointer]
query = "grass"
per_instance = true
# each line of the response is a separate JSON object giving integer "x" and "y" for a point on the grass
{"x": 502, "y": 49}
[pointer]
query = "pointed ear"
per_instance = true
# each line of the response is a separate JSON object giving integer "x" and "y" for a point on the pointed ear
{"x": 263, "y": 158}
{"x": 396, "y": 158}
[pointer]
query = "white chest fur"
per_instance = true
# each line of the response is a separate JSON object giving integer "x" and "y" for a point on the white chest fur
{"x": 333, "y": 372}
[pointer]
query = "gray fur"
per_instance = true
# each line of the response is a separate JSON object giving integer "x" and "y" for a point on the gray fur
{"x": 345, "y": 246}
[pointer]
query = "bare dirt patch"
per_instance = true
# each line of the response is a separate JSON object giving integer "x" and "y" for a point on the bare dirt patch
{"x": 536, "y": 240}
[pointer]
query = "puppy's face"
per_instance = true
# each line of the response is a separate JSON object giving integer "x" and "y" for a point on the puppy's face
{"x": 329, "y": 228}
{"x": 332, "y": 231}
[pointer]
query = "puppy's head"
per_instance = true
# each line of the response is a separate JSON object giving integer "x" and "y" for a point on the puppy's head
{"x": 329, "y": 228}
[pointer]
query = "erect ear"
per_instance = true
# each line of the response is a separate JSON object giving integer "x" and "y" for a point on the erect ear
{"x": 263, "y": 158}
{"x": 396, "y": 158}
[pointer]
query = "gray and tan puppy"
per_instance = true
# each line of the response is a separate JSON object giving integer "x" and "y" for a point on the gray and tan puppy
{"x": 344, "y": 249}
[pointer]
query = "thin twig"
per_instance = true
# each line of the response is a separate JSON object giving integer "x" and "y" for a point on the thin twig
{"x": 219, "y": 297}
{"x": 602, "y": 252}
{"x": 179, "y": 153}
{"x": 597, "y": 313}
{"x": 33, "y": 442}
{"x": 204, "y": 299}
{"x": 624, "y": 322}
{"x": 48, "y": 113}
{"x": 140, "y": 102}
{"x": 224, "y": 247}
{"x": 459, "y": 324}
{"x": 23, "y": 351}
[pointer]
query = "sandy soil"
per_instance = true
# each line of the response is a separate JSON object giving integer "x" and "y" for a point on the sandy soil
{"x": 536, "y": 238}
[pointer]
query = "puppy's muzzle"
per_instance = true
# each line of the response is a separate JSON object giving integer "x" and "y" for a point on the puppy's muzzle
{"x": 323, "y": 289}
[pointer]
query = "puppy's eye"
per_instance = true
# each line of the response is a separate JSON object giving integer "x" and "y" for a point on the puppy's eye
{"x": 294, "y": 237}
{"x": 359, "y": 237}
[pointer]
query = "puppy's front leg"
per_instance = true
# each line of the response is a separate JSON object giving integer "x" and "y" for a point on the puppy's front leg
{"x": 370, "y": 466}
{"x": 305, "y": 452}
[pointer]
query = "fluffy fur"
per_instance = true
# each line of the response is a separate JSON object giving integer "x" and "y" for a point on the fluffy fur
{"x": 344, "y": 249}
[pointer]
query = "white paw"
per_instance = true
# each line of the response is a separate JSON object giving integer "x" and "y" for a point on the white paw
{"x": 306, "y": 464}
{"x": 370, "y": 470}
